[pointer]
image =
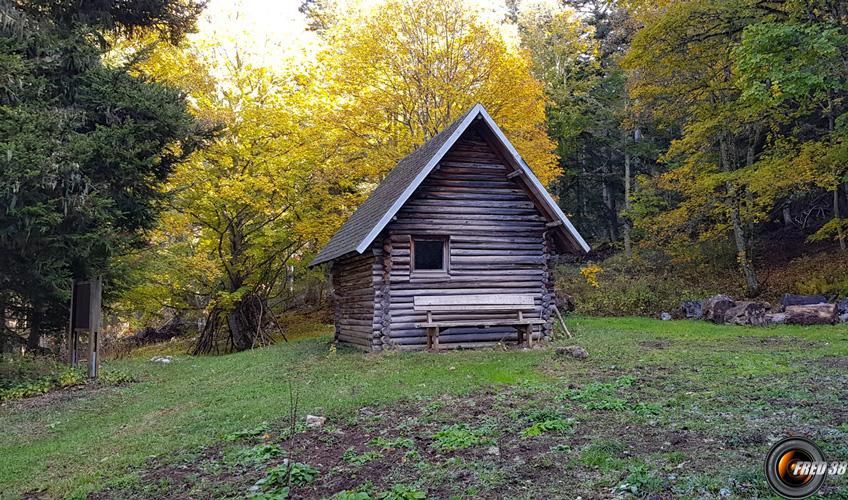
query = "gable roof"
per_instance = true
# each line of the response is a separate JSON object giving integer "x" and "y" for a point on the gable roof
{"x": 360, "y": 230}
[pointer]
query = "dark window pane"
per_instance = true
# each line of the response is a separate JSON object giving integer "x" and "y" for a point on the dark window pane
{"x": 429, "y": 254}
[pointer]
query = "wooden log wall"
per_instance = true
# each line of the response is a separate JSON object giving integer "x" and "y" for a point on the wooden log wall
{"x": 497, "y": 245}
{"x": 358, "y": 299}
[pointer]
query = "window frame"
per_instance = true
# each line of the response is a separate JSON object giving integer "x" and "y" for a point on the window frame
{"x": 445, "y": 270}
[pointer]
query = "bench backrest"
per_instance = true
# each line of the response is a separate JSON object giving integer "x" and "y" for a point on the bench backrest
{"x": 489, "y": 302}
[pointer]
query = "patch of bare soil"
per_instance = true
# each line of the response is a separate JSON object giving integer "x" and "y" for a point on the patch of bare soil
{"x": 655, "y": 344}
{"x": 773, "y": 341}
{"x": 840, "y": 362}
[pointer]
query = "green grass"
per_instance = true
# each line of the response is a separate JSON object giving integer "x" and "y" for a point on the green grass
{"x": 69, "y": 448}
{"x": 76, "y": 444}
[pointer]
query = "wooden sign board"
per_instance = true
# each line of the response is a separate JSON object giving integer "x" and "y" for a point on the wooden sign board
{"x": 86, "y": 316}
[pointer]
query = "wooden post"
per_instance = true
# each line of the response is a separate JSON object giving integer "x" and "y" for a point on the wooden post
{"x": 95, "y": 326}
{"x": 71, "y": 341}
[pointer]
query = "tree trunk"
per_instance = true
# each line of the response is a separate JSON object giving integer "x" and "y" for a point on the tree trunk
{"x": 787, "y": 217}
{"x": 752, "y": 287}
{"x": 34, "y": 327}
{"x": 628, "y": 250}
{"x": 741, "y": 239}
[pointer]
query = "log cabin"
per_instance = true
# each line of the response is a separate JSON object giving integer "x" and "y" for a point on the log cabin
{"x": 453, "y": 249}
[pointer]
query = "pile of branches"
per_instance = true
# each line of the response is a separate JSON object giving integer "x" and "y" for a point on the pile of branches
{"x": 243, "y": 327}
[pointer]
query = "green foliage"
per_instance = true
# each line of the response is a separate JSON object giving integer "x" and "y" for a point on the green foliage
{"x": 29, "y": 376}
{"x": 824, "y": 273}
{"x": 601, "y": 395}
{"x": 758, "y": 95}
{"x": 36, "y": 376}
{"x": 459, "y": 437}
{"x": 602, "y": 454}
{"x": 278, "y": 480}
{"x": 254, "y": 455}
{"x": 350, "y": 456}
{"x": 556, "y": 425}
{"x": 257, "y": 430}
{"x": 644, "y": 285}
{"x": 86, "y": 148}
{"x": 640, "y": 481}
{"x": 351, "y": 495}
{"x": 402, "y": 492}
{"x": 393, "y": 444}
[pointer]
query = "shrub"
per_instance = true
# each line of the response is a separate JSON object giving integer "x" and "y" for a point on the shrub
{"x": 641, "y": 286}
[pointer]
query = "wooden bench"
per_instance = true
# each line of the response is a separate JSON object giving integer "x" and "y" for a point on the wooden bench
{"x": 518, "y": 304}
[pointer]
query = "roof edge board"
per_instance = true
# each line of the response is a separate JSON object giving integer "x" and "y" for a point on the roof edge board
{"x": 476, "y": 111}
{"x": 537, "y": 185}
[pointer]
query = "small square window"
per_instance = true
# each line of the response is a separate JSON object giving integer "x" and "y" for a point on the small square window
{"x": 429, "y": 254}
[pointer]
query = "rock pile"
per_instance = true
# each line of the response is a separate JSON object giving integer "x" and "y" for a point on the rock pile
{"x": 793, "y": 309}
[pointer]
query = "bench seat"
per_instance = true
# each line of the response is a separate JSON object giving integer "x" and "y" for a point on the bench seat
{"x": 511, "y": 303}
{"x": 484, "y": 323}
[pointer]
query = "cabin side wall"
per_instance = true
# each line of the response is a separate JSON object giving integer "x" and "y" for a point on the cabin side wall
{"x": 357, "y": 296}
{"x": 497, "y": 244}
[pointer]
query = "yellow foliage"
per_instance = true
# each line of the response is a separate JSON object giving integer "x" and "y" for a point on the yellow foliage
{"x": 399, "y": 74}
{"x": 590, "y": 273}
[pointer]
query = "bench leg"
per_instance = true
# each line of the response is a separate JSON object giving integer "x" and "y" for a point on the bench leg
{"x": 429, "y": 338}
{"x": 529, "y": 335}
{"x": 436, "y": 338}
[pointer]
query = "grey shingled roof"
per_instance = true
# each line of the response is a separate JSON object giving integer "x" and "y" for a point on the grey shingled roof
{"x": 373, "y": 215}
{"x": 368, "y": 215}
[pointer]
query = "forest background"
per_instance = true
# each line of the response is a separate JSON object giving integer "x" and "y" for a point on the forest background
{"x": 700, "y": 146}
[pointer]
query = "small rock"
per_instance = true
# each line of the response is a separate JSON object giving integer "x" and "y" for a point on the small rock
{"x": 493, "y": 450}
{"x": 313, "y": 421}
{"x": 724, "y": 492}
{"x": 575, "y": 351}
{"x": 665, "y": 316}
{"x": 843, "y": 318}
{"x": 842, "y": 307}
{"x": 165, "y": 360}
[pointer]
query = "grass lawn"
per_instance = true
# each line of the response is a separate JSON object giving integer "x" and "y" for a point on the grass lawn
{"x": 676, "y": 408}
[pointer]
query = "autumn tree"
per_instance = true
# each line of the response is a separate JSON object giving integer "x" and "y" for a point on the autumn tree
{"x": 246, "y": 211}
{"x": 400, "y": 73}
{"x": 683, "y": 71}
{"x": 757, "y": 88}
